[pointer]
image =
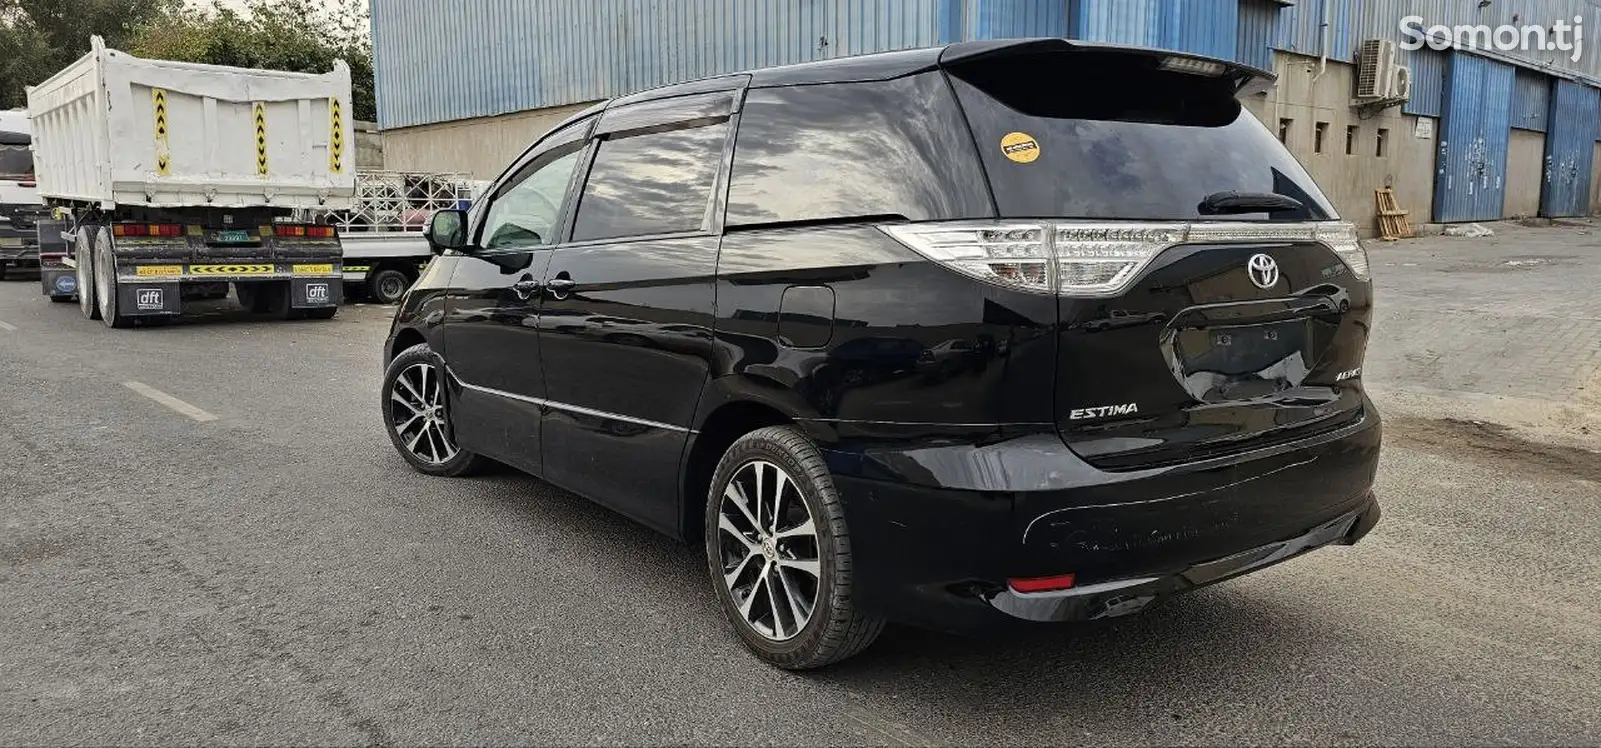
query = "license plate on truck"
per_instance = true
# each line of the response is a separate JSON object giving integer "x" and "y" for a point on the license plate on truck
{"x": 232, "y": 236}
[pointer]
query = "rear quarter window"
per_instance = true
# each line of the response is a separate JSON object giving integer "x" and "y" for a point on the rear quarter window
{"x": 843, "y": 150}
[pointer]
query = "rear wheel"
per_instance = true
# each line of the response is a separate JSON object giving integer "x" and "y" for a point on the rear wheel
{"x": 780, "y": 555}
{"x": 106, "y": 282}
{"x": 323, "y": 312}
{"x": 387, "y": 285}
{"x": 83, "y": 254}
{"x": 417, "y": 416}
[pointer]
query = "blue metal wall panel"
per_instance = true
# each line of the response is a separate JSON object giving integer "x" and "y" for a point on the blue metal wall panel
{"x": 1002, "y": 19}
{"x": 1352, "y": 21}
{"x": 435, "y": 62}
{"x": 1208, "y": 27}
{"x": 1531, "y": 98}
{"x": 1258, "y": 27}
{"x": 1428, "y": 82}
{"x": 1570, "y": 150}
{"x": 1470, "y": 166}
{"x": 1121, "y": 21}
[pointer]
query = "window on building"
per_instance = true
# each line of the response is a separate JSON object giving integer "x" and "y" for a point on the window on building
{"x": 1284, "y": 129}
{"x": 1382, "y": 142}
{"x": 1350, "y": 139}
{"x": 1320, "y": 133}
{"x": 655, "y": 183}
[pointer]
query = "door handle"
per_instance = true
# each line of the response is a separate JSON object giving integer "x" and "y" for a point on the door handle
{"x": 525, "y": 288}
{"x": 561, "y": 285}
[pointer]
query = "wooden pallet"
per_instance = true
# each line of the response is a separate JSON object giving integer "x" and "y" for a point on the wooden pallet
{"x": 1393, "y": 223}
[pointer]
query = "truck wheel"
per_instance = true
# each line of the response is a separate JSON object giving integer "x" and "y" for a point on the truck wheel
{"x": 387, "y": 285}
{"x": 780, "y": 554}
{"x": 322, "y": 312}
{"x": 106, "y": 283}
{"x": 83, "y": 252}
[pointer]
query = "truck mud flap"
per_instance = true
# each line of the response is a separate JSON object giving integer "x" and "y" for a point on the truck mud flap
{"x": 58, "y": 282}
{"x": 313, "y": 293}
{"x": 144, "y": 298}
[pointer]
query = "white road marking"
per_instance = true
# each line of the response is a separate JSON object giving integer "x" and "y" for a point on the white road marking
{"x": 8, "y": 327}
{"x": 170, "y": 401}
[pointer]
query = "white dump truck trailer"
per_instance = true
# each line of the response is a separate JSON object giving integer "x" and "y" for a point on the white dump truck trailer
{"x": 172, "y": 181}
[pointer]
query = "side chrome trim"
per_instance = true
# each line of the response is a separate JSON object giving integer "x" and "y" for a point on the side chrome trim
{"x": 566, "y": 408}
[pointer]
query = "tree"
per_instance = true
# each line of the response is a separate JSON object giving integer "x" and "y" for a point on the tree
{"x": 299, "y": 35}
{"x": 39, "y": 37}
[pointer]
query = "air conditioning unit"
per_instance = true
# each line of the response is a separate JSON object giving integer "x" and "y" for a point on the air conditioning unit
{"x": 1380, "y": 77}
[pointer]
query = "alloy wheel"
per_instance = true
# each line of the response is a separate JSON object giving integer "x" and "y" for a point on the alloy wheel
{"x": 768, "y": 543}
{"x": 417, "y": 414}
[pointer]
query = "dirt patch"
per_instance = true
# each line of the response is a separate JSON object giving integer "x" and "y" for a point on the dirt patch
{"x": 1511, "y": 264}
{"x": 1493, "y": 444}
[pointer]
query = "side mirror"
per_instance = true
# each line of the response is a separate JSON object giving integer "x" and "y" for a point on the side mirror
{"x": 447, "y": 229}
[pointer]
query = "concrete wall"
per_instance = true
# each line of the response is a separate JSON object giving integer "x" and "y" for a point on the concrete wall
{"x": 482, "y": 147}
{"x": 369, "y": 146}
{"x": 1349, "y": 180}
{"x": 1525, "y": 171}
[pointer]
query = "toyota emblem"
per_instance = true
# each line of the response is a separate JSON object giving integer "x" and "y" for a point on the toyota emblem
{"x": 1264, "y": 271}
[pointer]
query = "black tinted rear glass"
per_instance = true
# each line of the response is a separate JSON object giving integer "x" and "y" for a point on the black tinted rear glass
{"x": 1108, "y": 135}
{"x": 655, "y": 183}
{"x": 843, "y": 150}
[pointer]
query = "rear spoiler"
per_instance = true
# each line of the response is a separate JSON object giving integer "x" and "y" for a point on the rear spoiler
{"x": 1246, "y": 79}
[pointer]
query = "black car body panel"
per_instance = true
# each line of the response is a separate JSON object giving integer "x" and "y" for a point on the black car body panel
{"x": 668, "y": 268}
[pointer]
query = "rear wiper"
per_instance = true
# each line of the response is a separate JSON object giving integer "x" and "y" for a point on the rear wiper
{"x": 1233, "y": 201}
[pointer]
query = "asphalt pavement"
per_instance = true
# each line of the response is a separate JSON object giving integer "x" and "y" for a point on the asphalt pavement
{"x": 208, "y": 539}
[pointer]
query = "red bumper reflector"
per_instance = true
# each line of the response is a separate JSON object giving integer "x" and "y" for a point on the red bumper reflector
{"x": 1041, "y": 584}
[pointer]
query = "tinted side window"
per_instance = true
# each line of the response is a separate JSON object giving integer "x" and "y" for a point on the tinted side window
{"x": 654, "y": 183}
{"x": 896, "y": 147}
{"x": 525, "y": 213}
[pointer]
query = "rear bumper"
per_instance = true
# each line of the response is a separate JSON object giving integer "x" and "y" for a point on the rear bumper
{"x": 937, "y": 530}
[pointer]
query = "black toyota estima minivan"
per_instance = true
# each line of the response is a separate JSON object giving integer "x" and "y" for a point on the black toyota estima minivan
{"x": 1004, "y": 331}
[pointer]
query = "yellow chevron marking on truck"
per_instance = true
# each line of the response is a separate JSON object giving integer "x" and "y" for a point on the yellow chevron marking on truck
{"x": 322, "y": 269}
{"x": 336, "y": 137}
{"x": 145, "y": 271}
{"x": 231, "y": 269}
{"x": 158, "y": 100}
{"x": 261, "y": 139}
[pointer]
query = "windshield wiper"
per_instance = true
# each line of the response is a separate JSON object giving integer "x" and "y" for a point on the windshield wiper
{"x": 1234, "y": 201}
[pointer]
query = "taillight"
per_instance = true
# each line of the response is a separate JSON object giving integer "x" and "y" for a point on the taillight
{"x": 1042, "y": 584}
{"x": 1080, "y": 258}
{"x": 295, "y": 229}
{"x": 147, "y": 229}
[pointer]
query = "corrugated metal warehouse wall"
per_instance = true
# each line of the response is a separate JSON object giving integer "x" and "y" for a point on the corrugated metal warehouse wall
{"x": 1500, "y": 138}
{"x": 436, "y": 62}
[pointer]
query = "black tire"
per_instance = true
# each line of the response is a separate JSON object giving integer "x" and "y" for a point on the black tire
{"x": 62, "y": 299}
{"x": 387, "y": 285}
{"x": 3, "y": 268}
{"x": 322, "y": 312}
{"x": 461, "y": 463}
{"x": 83, "y": 257}
{"x": 836, "y": 628}
{"x": 106, "y": 270}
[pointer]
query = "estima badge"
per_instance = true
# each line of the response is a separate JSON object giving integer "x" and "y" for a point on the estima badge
{"x": 1104, "y": 411}
{"x": 1264, "y": 271}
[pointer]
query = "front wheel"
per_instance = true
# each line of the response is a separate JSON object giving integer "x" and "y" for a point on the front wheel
{"x": 780, "y": 555}
{"x": 417, "y": 418}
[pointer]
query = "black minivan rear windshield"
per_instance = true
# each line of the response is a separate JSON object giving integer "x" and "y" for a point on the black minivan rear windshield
{"x": 1110, "y": 135}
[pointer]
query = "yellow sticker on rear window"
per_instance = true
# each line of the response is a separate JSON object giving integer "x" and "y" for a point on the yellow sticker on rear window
{"x": 1020, "y": 147}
